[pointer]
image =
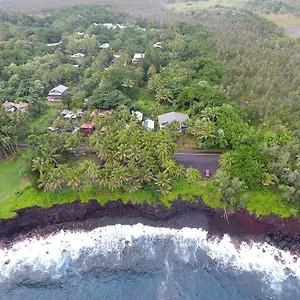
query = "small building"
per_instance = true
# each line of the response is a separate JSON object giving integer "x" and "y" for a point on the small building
{"x": 65, "y": 112}
{"x": 108, "y": 25}
{"x": 104, "y": 46}
{"x": 149, "y": 124}
{"x": 121, "y": 26}
{"x": 117, "y": 55}
{"x": 78, "y": 55}
{"x": 54, "y": 44}
{"x": 104, "y": 112}
{"x": 88, "y": 128}
{"x": 70, "y": 115}
{"x": 169, "y": 117}
{"x": 79, "y": 112}
{"x": 157, "y": 45}
{"x": 138, "y": 115}
{"x": 56, "y": 93}
{"x": 137, "y": 57}
{"x": 11, "y": 106}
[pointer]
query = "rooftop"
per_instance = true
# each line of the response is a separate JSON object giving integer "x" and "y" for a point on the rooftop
{"x": 172, "y": 116}
{"x": 60, "y": 89}
{"x": 88, "y": 126}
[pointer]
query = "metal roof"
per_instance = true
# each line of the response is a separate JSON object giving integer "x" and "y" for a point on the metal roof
{"x": 59, "y": 90}
{"x": 172, "y": 116}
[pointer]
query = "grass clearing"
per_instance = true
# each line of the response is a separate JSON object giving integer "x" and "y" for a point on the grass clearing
{"x": 46, "y": 119}
{"x": 11, "y": 180}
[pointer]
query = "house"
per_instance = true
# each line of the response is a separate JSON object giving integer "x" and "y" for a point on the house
{"x": 117, "y": 55}
{"x": 108, "y": 25}
{"x": 120, "y": 26}
{"x": 79, "y": 112}
{"x": 53, "y": 44}
{"x": 70, "y": 115}
{"x": 56, "y": 93}
{"x": 138, "y": 115}
{"x": 51, "y": 129}
{"x": 169, "y": 117}
{"x": 88, "y": 128}
{"x": 103, "y": 112}
{"x": 11, "y": 106}
{"x": 157, "y": 45}
{"x": 104, "y": 46}
{"x": 149, "y": 124}
{"x": 78, "y": 55}
{"x": 137, "y": 57}
{"x": 65, "y": 112}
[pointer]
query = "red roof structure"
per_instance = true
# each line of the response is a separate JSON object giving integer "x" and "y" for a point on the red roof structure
{"x": 88, "y": 127}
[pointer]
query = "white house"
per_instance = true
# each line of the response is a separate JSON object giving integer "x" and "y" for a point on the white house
{"x": 169, "y": 117}
{"x": 108, "y": 25}
{"x": 137, "y": 57}
{"x": 70, "y": 115}
{"x": 53, "y": 44}
{"x": 157, "y": 45}
{"x": 104, "y": 46}
{"x": 65, "y": 112}
{"x": 78, "y": 55}
{"x": 138, "y": 115}
{"x": 149, "y": 124}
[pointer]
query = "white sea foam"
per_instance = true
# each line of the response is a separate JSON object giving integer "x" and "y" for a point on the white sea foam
{"x": 54, "y": 253}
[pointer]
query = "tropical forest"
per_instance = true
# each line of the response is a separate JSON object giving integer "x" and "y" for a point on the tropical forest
{"x": 108, "y": 101}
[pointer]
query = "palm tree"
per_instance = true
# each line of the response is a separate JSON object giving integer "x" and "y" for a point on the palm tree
{"x": 74, "y": 180}
{"x": 90, "y": 170}
{"x": 163, "y": 183}
{"x": 192, "y": 175}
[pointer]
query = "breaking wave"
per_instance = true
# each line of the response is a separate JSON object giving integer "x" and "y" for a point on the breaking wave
{"x": 139, "y": 247}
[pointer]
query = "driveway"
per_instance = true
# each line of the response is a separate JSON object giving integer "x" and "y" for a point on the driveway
{"x": 200, "y": 161}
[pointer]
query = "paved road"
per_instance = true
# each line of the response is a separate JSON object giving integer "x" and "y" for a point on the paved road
{"x": 201, "y": 161}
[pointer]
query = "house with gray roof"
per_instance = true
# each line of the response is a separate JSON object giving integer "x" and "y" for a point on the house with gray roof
{"x": 169, "y": 117}
{"x": 56, "y": 93}
{"x": 11, "y": 106}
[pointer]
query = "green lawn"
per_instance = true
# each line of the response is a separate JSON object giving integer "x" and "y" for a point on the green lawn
{"x": 10, "y": 178}
{"x": 45, "y": 119}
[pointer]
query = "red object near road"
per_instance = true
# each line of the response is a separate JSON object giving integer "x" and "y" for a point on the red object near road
{"x": 207, "y": 174}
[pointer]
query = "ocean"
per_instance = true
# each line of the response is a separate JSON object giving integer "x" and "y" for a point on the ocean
{"x": 143, "y": 262}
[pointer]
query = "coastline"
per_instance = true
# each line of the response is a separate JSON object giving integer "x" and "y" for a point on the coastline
{"x": 36, "y": 221}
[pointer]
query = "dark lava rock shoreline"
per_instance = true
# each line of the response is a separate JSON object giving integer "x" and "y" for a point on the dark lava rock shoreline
{"x": 36, "y": 221}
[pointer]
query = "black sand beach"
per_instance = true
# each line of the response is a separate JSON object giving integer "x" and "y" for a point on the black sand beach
{"x": 35, "y": 221}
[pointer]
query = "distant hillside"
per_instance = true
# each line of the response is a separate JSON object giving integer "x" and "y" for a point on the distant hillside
{"x": 139, "y": 8}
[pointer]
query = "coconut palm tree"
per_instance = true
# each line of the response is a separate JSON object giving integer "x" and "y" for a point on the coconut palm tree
{"x": 163, "y": 183}
{"x": 192, "y": 175}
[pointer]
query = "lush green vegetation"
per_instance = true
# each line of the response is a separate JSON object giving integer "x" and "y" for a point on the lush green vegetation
{"x": 238, "y": 81}
{"x": 11, "y": 180}
{"x": 31, "y": 196}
